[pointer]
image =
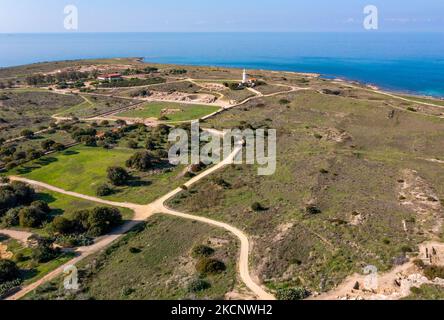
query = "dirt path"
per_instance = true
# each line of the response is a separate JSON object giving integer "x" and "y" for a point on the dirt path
{"x": 21, "y": 236}
{"x": 142, "y": 213}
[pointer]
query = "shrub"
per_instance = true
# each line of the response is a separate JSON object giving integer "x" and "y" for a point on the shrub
{"x": 42, "y": 206}
{"x": 284, "y": 101}
{"x": 14, "y": 195}
{"x": 202, "y": 251}
{"x": 62, "y": 225}
{"x": 118, "y": 176}
{"x": 198, "y": 285}
{"x": 141, "y": 161}
{"x": 104, "y": 190}
{"x": 8, "y": 271}
{"x": 290, "y": 294}
{"x": 135, "y": 250}
{"x": 11, "y": 218}
{"x": 44, "y": 253}
{"x": 257, "y": 207}
{"x": 31, "y": 217}
{"x": 210, "y": 266}
{"x": 312, "y": 210}
{"x": 74, "y": 240}
{"x": 432, "y": 272}
{"x": 101, "y": 220}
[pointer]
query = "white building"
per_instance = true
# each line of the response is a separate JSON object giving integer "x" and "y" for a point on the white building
{"x": 245, "y": 77}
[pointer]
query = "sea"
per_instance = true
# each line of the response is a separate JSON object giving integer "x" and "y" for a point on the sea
{"x": 404, "y": 62}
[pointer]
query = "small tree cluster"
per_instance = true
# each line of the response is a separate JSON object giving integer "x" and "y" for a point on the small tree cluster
{"x": 141, "y": 161}
{"x": 118, "y": 176}
{"x": 96, "y": 222}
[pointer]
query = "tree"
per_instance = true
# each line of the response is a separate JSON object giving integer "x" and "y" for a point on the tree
{"x": 104, "y": 190}
{"x": 210, "y": 266}
{"x": 141, "y": 161}
{"x": 101, "y": 220}
{"x": 11, "y": 218}
{"x": 42, "y": 206}
{"x": 118, "y": 176}
{"x": 62, "y": 225}
{"x": 34, "y": 215}
{"x": 44, "y": 253}
{"x": 8, "y": 271}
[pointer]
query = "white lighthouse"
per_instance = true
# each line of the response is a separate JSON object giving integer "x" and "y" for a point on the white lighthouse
{"x": 244, "y": 77}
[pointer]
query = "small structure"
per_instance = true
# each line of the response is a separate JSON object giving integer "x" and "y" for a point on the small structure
{"x": 245, "y": 77}
{"x": 246, "y": 82}
{"x": 109, "y": 77}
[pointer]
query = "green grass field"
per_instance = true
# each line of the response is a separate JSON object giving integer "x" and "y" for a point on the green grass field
{"x": 179, "y": 111}
{"x": 153, "y": 262}
{"x": 82, "y": 169}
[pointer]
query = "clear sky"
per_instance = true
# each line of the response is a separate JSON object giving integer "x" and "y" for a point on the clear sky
{"x": 224, "y": 15}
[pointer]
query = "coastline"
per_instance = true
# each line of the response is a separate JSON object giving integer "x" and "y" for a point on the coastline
{"x": 328, "y": 77}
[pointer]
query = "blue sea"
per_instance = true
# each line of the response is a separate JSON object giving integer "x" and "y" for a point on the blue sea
{"x": 407, "y": 62}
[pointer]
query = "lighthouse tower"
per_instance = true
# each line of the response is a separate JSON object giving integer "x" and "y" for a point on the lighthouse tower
{"x": 245, "y": 77}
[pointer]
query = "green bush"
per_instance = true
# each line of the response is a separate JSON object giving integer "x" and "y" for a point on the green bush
{"x": 8, "y": 271}
{"x": 312, "y": 210}
{"x": 31, "y": 217}
{"x": 62, "y": 225}
{"x": 291, "y": 294}
{"x": 118, "y": 176}
{"x": 257, "y": 207}
{"x": 11, "y": 218}
{"x": 210, "y": 266}
{"x": 142, "y": 161}
{"x": 44, "y": 253}
{"x": 104, "y": 190}
{"x": 101, "y": 220}
{"x": 198, "y": 285}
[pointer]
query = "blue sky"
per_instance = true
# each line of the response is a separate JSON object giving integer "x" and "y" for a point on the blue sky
{"x": 215, "y": 16}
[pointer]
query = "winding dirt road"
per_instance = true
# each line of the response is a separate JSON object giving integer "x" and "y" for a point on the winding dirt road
{"x": 142, "y": 213}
